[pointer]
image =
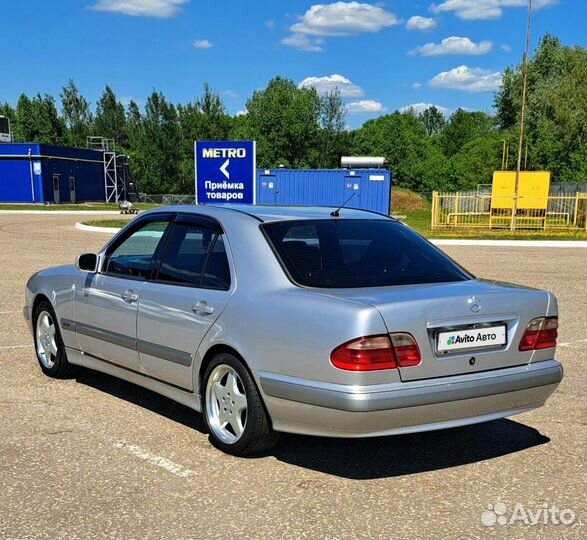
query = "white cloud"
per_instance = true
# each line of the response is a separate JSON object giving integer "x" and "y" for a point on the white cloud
{"x": 229, "y": 94}
{"x": 303, "y": 43}
{"x": 505, "y": 47}
{"x": 364, "y": 106}
{"x": 141, "y": 8}
{"x": 330, "y": 82}
{"x": 416, "y": 85}
{"x": 484, "y": 9}
{"x": 453, "y": 45}
{"x": 344, "y": 19}
{"x": 241, "y": 113}
{"x": 420, "y": 23}
{"x": 202, "y": 44}
{"x": 468, "y": 79}
{"x": 417, "y": 108}
{"x": 337, "y": 19}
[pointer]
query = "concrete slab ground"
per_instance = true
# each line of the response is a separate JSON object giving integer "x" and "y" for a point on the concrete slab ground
{"x": 94, "y": 457}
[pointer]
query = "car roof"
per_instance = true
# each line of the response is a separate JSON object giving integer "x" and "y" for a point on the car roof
{"x": 279, "y": 213}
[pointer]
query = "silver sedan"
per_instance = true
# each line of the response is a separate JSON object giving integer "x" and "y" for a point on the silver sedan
{"x": 299, "y": 320}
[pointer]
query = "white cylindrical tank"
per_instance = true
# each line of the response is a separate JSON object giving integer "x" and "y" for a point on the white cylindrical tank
{"x": 362, "y": 162}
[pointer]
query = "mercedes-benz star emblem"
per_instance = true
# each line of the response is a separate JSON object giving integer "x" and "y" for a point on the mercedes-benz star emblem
{"x": 474, "y": 304}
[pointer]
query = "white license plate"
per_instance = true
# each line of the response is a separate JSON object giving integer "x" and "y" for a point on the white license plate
{"x": 474, "y": 338}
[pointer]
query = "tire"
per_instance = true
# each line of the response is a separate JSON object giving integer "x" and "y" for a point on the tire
{"x": 49, "y": 346}
{"x": 233, "y": 409}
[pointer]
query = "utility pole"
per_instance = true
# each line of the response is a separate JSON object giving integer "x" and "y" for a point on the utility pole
{"x": 522, "y": 114}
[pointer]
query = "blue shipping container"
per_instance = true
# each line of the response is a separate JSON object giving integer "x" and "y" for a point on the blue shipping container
{"x": 368, "y": 189}
{"x": 40, "y": 173}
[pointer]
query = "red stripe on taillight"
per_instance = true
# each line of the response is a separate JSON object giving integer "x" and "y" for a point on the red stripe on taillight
{"x": 541, "y": 333}
{"x": 377, "y": 352}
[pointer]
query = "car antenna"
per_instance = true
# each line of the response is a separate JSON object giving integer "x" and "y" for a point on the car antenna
{"x": 336, "y": 213}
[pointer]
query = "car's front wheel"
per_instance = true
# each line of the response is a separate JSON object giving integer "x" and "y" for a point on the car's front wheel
{"x": 48, "y": 343}
{"x": 233, "y": 409}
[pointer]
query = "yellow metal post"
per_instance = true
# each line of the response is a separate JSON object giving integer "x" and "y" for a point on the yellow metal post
{"x": 456, "y": 209}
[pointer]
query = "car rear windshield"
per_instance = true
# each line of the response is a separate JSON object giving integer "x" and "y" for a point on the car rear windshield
{"x": 337, "y": 253}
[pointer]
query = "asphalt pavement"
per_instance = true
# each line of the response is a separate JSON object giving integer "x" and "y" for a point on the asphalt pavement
{"x": 94, "y": 457}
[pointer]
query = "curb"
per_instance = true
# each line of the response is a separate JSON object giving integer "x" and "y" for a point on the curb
{"x": 512, "y": 243}
{"x": 59, "y": 212}
{"x": 90, "y": 228}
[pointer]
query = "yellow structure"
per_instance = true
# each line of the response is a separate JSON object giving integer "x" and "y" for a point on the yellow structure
{"x": 532, "y": 201}
{"x": 532, "y": 194}
{"x": 474, "y": 210}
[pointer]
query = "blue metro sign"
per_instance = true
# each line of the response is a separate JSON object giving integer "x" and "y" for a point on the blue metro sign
{"x": 225, "y": 172}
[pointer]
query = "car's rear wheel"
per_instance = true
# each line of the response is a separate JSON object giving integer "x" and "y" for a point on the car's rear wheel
{"x": 233, "y": 409}
{"x": 48, "y": 343}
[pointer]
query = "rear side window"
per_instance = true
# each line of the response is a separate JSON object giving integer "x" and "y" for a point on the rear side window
{"x": 195, "y": 256}
{"x": 358, "y": 253}
{"x": 217, "y": 274}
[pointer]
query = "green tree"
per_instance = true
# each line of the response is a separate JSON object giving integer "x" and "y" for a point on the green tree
{"x": 463, "y": 127}
{"x": 415, "y": 162}
{"x": 432, "y": 120}
{"x": 110, "y": 119}
{"x": 284, "y": 120}
{"x": 476, "y": 161}
{"x": 160, "y": 143}
{"x": 37, "y": 120}
{"x": 76, "y": 114}
{"x": 204, "y": 119}
{"x": 333, "y": 135}
{"x": 556, "y": 121}
{"x": 135, "y": 137}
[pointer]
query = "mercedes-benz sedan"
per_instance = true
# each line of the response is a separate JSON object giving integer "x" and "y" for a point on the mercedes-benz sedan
{"x": 299, "y": 320}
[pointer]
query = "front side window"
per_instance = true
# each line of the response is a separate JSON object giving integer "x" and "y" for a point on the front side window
{"x": 195, "y": 256}
{"x": 133, "y": 257}
{"x": 358, "y": 253}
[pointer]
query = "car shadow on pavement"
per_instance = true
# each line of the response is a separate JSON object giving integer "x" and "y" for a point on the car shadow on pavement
{"x": 357, "y": 459}
{"x": 399, "y": 455}
{"x": 143, "y": 397}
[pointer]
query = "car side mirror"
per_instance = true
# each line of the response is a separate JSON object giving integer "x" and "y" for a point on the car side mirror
{"x": 88, "y": 262}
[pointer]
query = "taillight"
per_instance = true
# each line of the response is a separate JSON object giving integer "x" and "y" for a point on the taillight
{"x": 541, "y": 333}
{"x": 364, "y": 354}
{"x": 407, "y": 353}
{"x": 377, "y": 352}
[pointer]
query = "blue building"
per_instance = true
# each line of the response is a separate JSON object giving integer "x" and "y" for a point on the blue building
{"x": 362, "y": 188}
{"x": 40, "y": 173}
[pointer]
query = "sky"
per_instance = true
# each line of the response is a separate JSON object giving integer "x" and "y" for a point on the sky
{"x": 382, "y": 56}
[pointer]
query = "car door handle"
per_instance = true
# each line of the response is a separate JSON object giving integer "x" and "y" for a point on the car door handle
{"x": 203, "y": 308}
{"x": 129, "y": 296}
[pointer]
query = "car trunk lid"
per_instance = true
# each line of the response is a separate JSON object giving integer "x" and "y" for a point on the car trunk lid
{"x": 457, "y": 312}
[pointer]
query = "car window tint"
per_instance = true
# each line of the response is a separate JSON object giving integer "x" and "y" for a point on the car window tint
{"x": 359, "y": 253}
{"x": 217, "y": 273}
{"x": 134, "y": 256}
{"x": 186, "y": 254}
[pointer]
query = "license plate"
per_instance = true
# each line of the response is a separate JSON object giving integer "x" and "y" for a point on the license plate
{"x": 474, "y": 338}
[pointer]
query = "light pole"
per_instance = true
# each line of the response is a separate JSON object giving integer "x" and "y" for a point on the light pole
{"x": 522, "y": 114}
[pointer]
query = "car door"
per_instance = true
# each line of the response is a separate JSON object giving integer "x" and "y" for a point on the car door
{"x": 106, "y": 302}
{"x": 192, "y": 286}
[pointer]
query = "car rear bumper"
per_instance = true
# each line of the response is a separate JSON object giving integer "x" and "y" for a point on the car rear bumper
{"x": 314, "y": 408}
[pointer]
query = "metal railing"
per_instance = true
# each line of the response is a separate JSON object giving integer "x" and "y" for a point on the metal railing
{"x": 167, "y": 199}
{"x": 481, "y": 210}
